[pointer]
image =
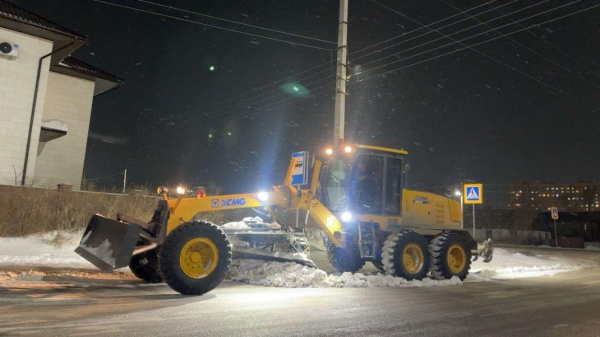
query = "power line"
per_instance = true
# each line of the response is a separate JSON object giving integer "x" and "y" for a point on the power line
{"x": 527, "y": 48}
{"x": 460, "y": 31}
{"x": 236, "y": 22}
{"x": 446, "y": 26}
{"x": 429, "y": 25}
{"x": 108, "y": 176}
{"x": 557, "y": 49}
{"x": 275, "y": 105}
{"x": 209, "y": 25}
{"x": 352, "y": 53}
{"x": 446, "y": 36}
{"x": 498, "y": 37}
{"x": 295, "y": 99}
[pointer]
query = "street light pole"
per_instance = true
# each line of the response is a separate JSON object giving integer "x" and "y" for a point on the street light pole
{"x": 474, "y": 236}
{"x": 462, "y": 221}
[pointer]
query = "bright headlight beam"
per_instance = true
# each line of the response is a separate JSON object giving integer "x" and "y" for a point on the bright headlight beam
{"x": 181, "y": 190}
{"x": 346, "y": 216}
{"x": 263, "y": 196}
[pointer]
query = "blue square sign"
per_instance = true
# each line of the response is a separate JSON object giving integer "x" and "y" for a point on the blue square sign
{"x": 300, "y": 170}
{"x": 473, "y": 193}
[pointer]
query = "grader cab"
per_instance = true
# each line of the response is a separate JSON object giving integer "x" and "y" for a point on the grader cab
{"x": 357, "y": 195}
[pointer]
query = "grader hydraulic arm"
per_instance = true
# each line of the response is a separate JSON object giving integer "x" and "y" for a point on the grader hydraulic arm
{"x": 283, "y": 197}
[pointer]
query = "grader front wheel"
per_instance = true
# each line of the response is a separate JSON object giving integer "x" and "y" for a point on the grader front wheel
{"x": 195, "y": 258}
{"x": 345, "y": 259}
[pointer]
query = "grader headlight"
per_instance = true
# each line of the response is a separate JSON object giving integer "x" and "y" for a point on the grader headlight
{"x": 329, "y": 152}
{"x": 348, "y": 149}
{"x": 181, "y": 190}
{"x": 346, "y": 216}
{"x": 263, "y": 196}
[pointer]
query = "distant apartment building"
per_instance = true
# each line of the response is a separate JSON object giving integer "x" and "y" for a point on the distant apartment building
{"x": 46, "y": 98}
{"x": 574, "y": 197}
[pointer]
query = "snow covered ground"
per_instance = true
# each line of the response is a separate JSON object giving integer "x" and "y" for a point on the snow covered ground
{"x": 507, "y": 264}
{"x": 37, "y": 251}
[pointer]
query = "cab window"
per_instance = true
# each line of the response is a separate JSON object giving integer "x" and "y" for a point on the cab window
{"x": 367, "y": 180}
{"x": 393, "y": 188}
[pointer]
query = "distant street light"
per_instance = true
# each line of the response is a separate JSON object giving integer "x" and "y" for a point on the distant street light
{"x": 212, "y": 68}
{"x": 457, "y": 193}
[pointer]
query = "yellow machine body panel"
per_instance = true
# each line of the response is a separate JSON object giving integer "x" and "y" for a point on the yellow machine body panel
{"x": 426, "y": 209}
{"x": 420, "y": 210}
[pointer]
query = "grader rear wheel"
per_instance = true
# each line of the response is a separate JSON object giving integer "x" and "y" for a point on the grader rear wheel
{"x": 450, "y": 256}
{"x": 406, "y": 255}
{"x": 195, "y": 258}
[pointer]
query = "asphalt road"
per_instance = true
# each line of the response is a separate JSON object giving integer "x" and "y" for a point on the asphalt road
{"x": 566, "y": 304}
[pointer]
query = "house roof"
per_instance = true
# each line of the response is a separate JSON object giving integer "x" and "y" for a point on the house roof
{"x": 13, "y": 12}
{"x": 74, "y": 67}
{"x": 65, "y": 42}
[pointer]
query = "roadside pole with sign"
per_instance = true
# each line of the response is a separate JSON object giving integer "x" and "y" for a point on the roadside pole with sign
{"x": 300, "y": 174}
{"x": 473, "y": 194}
{"x": 554, "y": 213}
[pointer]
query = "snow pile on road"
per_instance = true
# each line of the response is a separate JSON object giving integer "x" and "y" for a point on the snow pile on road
{"x": 293, "y": 275}
{"x": 235, "y": 225}
{"x": 37, "y": 251}
{"x": 510, "y": 265}
{"x": 242, "y": 224}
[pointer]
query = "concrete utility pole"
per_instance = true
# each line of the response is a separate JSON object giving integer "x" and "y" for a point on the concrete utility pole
{"x": 341, "y": 72}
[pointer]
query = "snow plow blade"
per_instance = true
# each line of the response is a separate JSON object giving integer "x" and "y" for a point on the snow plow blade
{"x": 241, "y": 253}
{"x": 108, "y": 244}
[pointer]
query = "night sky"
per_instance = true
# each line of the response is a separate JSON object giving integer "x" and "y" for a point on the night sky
{"x": 461, "y": 117}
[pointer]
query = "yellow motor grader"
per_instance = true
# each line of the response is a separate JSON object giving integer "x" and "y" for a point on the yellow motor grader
{"x": 357, "y": 195}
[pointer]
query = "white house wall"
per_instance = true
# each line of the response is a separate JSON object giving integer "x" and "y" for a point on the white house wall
{"x": 68, "y": 99}
{"x": 17, "y": 85}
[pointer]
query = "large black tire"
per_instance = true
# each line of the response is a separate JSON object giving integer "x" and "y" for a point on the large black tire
{"x": 145, "y": 267}
{"x": 345, "y": 259}
{"x": 171, "y": 265}
{"x": 444, "y": 265}
{"x": 406, "y": 255}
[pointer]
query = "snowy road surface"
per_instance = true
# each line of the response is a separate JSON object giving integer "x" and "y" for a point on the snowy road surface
{"x": 566, "y": 304}
{"x": 502, "y": 299}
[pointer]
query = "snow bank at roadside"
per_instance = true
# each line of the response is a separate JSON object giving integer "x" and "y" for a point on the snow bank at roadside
{"x": 292, "y": 275}
{"x": 511, "y": 265}
{"x": 38, "y": 251}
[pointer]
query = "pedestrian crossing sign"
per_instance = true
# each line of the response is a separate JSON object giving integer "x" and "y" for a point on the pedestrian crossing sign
{"x": 473, "y": 193}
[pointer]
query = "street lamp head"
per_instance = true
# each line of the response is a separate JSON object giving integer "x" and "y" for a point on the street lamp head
{"x": 457, "y": 193}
